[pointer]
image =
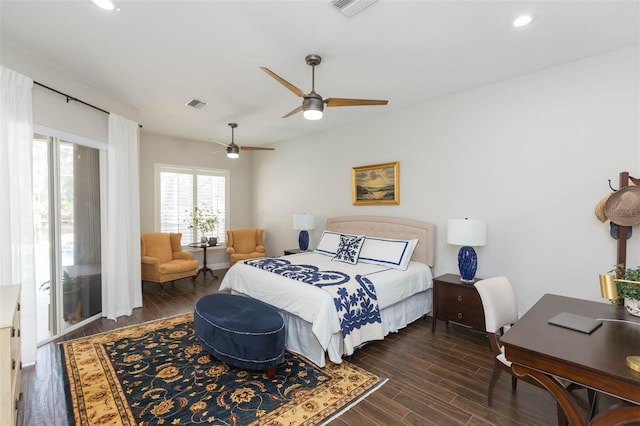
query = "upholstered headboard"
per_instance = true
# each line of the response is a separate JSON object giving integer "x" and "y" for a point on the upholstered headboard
{"x": 390, "y": 227}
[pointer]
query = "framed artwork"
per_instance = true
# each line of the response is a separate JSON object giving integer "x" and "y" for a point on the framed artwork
{"x": 376, "y": 184}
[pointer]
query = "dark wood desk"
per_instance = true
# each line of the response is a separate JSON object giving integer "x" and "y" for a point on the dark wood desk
{"x": 597, "y": 361}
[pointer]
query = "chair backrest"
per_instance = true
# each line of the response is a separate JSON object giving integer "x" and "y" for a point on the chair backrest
{"x": 244, "y": 240}
{"x": 498, "y": 301}
{"x": 160, "y": 245}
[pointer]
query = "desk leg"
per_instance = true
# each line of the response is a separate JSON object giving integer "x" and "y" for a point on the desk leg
{"x": 565, "y": 400}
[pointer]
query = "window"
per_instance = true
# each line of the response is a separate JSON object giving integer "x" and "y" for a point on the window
{"x": 181, "y": 188}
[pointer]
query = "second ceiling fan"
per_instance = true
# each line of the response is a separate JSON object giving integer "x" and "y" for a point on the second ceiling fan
{"x": 233, "y": 150}
{"x": 313, "y": 104}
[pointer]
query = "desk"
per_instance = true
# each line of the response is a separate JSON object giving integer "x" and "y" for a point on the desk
{"x": 204, "y": 268}
{"x": 597, "y": 361}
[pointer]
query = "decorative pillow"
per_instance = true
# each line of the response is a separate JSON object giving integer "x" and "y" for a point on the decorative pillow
{"x": 329, "y": 243}
{"x": 387, "y": 252}
{"x": 349, "y": 248}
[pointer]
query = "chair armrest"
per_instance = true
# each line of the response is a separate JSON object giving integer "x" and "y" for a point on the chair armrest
{"x": 182, "y": 255}
{"x": 148, "y": 260}
{"x": 260, "y": 249}
{"x": 231, "y": 250}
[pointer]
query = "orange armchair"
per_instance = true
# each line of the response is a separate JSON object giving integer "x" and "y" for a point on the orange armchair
{"x": 163, "y": 259}
{"x": 244, "y": 243}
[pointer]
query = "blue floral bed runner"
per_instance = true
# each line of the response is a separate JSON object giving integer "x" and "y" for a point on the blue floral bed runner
{"x": 355, "y": 297}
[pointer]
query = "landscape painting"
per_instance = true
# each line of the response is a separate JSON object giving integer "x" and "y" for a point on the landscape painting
{"x": 376, "y": 184}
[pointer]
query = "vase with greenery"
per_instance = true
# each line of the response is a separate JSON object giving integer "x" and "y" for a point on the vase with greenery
{"x": 205, "y": 220}
{"x": 630, "y": 291}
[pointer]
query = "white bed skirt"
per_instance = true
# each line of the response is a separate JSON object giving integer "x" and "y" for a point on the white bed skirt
{"x": 301, "y": 340}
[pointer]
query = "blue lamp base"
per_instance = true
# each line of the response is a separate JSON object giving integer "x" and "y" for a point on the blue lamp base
{"x": 303, "y": 240}
{"x": 467, "y": 263}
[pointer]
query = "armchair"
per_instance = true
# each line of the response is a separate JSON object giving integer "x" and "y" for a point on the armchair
{"x": 244, "y": 243}
{"x": 163, "y": 259}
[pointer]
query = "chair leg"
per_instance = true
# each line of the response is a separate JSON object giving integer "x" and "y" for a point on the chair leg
{"x": 162, "y": 289}
{"x": 514, "y": 383}
{"x": 497, "y": 368}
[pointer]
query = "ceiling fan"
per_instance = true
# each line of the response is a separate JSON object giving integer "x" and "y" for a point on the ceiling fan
{"x": 313, "y": 104}
{"x": 233, "y": 150}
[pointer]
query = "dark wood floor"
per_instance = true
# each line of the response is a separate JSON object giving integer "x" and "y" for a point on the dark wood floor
{"x": 434, "y": 379}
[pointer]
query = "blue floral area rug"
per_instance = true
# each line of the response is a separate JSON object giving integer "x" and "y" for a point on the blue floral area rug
{"x": 157, "y": 373}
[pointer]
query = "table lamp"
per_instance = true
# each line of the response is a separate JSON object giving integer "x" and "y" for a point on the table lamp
{"x": 609, "y": 290}
{"x": 467, "y": 233}
{"x": 303, "y": 222}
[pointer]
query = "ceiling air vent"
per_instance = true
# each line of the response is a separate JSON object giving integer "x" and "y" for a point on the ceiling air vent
{"x": 195, "y": 103}
{"x": 351, "y": 7}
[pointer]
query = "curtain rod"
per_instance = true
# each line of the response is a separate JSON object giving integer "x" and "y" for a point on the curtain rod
{"x": 71, "y": 98}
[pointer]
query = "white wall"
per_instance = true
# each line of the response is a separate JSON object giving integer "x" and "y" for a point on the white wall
{"x": 51, "y": 109}
{"x": 168, "y": 150}
{"x": 531, "y": 156}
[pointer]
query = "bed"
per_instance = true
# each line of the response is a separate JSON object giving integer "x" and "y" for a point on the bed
{"x": 314, "y": 329}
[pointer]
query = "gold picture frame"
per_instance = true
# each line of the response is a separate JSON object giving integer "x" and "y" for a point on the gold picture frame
{"x": 376, "y": 184}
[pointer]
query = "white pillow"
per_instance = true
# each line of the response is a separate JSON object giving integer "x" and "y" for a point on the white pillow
{"x": 349, "y": 249}
{"x": 387, "y": 252}
{"x": 329, "y": 243}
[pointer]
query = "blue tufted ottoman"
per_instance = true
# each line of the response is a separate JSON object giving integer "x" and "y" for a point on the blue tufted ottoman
{"x": 240, "y": 331}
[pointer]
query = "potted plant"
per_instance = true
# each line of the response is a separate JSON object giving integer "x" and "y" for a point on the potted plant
{"x": 630, "y": 291}
{"x": 71, "y": 296}
{"x": 203, "y": 219}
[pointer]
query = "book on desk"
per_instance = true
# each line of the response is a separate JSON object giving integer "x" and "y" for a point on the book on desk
{"x": 576, "y": 322}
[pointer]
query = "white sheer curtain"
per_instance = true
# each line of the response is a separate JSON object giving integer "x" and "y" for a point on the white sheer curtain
{"x": 122, "y": 288}
{"x": 17, "y": 263}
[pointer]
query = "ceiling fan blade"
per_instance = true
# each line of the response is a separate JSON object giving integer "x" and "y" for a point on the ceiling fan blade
{"x": 295, "y": 111}
{"x": 217, "y": 141}
{"x": 284, "y": 82}
{"x": 256, "y": 148}
{"x": 340, "y": 102}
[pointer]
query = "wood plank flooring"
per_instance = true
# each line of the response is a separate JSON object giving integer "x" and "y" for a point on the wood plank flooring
{"x": 434, "y": 379}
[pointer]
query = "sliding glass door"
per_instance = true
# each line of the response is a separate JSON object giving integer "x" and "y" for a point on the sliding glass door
{"x": 66, "y": 181}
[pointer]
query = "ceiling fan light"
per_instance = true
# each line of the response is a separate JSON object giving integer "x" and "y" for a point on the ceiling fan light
{"x": 233, "y": 151}
{"x": 312, "y": 107}
{"x": 312, "y": 114}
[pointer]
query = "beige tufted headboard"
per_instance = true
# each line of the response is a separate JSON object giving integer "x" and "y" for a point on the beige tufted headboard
{"x": 390, "y": 227}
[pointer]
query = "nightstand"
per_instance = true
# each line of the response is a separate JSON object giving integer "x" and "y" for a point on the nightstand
{"x": 457, "y": 301}
{"x": 292, "y": 251}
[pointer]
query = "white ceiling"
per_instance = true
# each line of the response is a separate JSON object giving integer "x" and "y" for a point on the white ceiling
{"x": 157, "y": 55}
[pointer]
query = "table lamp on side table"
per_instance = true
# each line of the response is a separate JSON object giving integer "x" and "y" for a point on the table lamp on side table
{"x": 303, "y": 222}
{"x": 467, "y": 233}
{"x": 609, "y": 290}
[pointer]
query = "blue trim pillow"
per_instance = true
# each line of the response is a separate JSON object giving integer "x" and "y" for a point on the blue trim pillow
{"x": 387, "y": 252}
{"x": 349, "y": 248}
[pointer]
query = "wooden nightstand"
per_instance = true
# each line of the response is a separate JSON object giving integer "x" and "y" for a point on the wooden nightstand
{"x": 292, "y": 251}
{"x": 456, "y": 301}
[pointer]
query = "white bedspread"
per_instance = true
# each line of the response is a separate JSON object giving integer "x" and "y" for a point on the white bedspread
{"x": 315, "y": 305}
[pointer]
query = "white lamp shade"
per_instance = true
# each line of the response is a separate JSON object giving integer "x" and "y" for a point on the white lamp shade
{"x": 467, "y": 232}
{"x": 303, "y": 221}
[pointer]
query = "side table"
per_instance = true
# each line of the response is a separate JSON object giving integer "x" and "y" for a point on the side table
{"x": 457, "y": 301}
{"x": 292, "y": 251}
{"x": 204, "y": 268}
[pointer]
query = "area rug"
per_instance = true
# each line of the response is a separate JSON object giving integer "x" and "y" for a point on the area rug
{"x": 157, "y": 373}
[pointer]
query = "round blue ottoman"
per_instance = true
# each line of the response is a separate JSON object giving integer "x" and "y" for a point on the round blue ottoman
{"x": 240, "y": 331}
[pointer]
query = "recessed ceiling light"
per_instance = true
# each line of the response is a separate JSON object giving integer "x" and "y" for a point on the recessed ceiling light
{"x": 104, "y": 4}
{"x": 522, "y": 20}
